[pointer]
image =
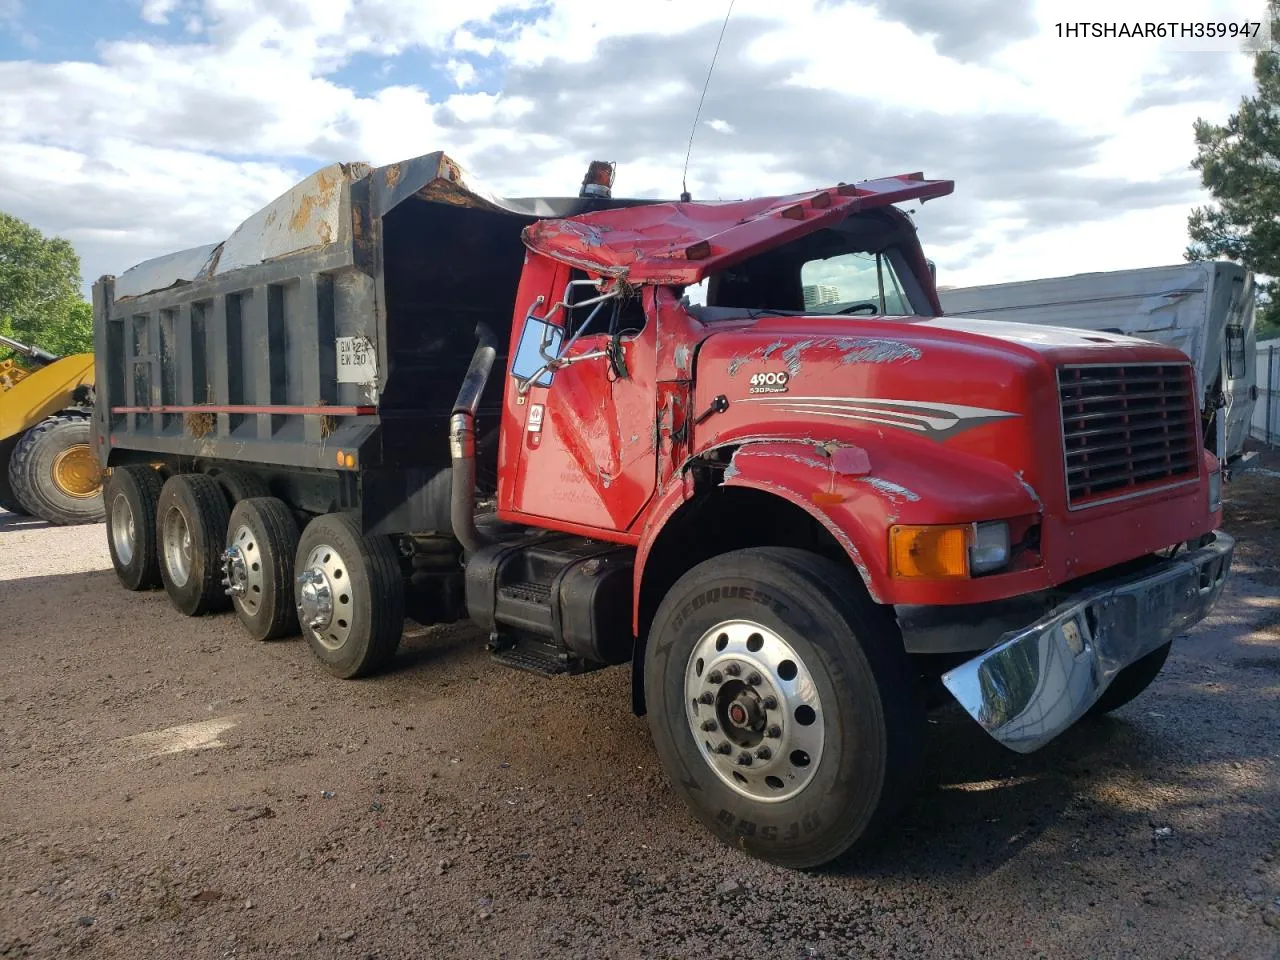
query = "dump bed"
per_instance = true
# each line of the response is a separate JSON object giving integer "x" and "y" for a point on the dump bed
{"x": 330, "y": 330}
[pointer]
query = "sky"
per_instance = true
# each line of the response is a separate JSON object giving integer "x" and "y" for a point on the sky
{"x": 139, "y": 127}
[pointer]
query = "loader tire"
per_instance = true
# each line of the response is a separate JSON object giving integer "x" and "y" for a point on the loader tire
{"x": 191, "y": 527}
{"x": 7, "y": 500}
{"x": 54, "y": 473}
{"x": 349, "y": 592}
{"x": 262, "y": 539}
{"x": 131, "y": 496}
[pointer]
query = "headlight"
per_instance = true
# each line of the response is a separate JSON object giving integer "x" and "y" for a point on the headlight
{"x": 1215, "y": 491}
{"x": 990, "y": 547}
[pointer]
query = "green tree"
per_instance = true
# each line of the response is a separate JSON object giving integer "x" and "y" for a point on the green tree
{"x": 40, "y": 301}
{"x": 1239, "y": 164}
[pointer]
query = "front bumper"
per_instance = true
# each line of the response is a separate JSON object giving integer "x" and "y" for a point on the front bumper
{"x": 1039, "y": 680}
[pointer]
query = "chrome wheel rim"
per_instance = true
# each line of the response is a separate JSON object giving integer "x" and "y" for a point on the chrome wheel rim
{"x": 242, "y": 573}
{"x": 176, "y": 537}
{"x": 324, "y": 597}
{"x": 754, "y": 711}
{"x": 123, "y": 531}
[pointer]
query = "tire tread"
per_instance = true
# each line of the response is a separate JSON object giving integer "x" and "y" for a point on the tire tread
{"x": 211, "y": 517}
{"x": 281, "y": 533}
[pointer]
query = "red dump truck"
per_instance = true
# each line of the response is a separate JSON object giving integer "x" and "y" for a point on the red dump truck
{"x": 795, "y": 510}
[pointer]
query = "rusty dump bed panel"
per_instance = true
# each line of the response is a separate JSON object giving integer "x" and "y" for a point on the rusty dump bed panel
{"x": 340, "y": 317}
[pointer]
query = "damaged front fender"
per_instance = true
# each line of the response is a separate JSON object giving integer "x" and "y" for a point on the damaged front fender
{"x": 811, "y": 476}
{"x": 858, "y": 494}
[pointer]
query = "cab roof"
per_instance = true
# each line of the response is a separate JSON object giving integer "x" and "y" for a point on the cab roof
{"x": 681, "y": 243}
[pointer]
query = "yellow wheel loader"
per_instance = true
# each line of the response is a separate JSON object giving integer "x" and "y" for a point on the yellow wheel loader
{"x": 47, "y": 465}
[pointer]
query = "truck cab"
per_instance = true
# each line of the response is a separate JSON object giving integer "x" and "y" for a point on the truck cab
{"x": 733, "y": 445}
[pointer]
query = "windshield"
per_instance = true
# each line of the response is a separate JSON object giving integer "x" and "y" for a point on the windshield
{"x": 861, "y": 267}
{"x": 853, "y": 283}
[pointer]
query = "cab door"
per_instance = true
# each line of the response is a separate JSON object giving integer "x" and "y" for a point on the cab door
{"x": 587, "y": 456}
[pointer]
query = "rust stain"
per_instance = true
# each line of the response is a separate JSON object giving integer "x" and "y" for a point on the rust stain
{"x": 326, "y": 184}
{"x": 301, "y": 216}
{"x": 391, "y": 175}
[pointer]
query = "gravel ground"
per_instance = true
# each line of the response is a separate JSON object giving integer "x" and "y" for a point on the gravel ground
{"x": 169, "y": 788}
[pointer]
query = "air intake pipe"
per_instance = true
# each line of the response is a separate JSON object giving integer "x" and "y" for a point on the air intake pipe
{"x": 462, "y": 442}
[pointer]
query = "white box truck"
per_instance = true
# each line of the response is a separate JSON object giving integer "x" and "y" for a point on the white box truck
{"x": 1205, "y": 309}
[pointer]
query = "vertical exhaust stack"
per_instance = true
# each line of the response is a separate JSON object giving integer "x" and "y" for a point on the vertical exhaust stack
{"x": 462, "y": 442}
{"x": 599, "y": 180}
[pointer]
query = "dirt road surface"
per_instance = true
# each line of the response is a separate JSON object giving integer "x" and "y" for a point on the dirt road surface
{"x": 170, "y": 788}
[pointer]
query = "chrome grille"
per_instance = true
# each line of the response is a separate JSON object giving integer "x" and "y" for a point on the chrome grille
{"x": 1126, "y": 429}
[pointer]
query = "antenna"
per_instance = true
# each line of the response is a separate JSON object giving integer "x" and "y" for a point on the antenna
{"x": 685, "y": 196}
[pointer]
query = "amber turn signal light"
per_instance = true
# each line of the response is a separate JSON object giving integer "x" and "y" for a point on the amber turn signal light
{"x": 929, "y": 553}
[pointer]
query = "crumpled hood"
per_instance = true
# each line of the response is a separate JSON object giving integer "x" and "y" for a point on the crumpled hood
{"x": 1027, "y": 334}
{"x": 986, "y": 387}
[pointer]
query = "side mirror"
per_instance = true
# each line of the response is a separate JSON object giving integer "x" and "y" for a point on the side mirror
{"x": 539, "y": 344}
{"x": 933, "y": 272}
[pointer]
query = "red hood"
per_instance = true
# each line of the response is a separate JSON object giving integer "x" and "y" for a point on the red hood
{"x": 681, "y": 243}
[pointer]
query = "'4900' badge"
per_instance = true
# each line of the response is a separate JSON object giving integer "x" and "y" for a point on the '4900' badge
{"x": 775, "y": 382}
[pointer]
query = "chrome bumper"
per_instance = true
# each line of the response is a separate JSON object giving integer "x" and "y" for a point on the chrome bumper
{"x": 1039, "y": 680}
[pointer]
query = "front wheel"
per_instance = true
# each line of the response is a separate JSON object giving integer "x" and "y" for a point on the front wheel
{"x": 782, "y": 704}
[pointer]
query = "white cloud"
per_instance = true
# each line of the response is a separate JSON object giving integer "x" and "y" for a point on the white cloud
{"x": 157, "y": 11}
{"x": 463, "y": 73}
{"x": 1069, "y": 156}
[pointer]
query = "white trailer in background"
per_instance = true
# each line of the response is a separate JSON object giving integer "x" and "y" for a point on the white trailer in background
{"x": 1206, "y": 309}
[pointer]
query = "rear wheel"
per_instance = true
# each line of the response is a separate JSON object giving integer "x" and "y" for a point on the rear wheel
{"x": 54, "y": 473}
{"x": 239, "y": 485}
{"x": 191, "y": 525}
{"x": 257, "y": 567}
{"x": 349, "y": 592}
{"x": 1131, "y": 681}
{"x": 131, "y": 495}
{"x": 782, "y": 705}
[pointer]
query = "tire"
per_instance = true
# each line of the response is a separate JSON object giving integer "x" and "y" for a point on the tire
{"x": 848, "y": 764}
{"x": 262, "y": 538}
{"x": 360, "y": 626}
{"x": 240, "y": 485}
{"x": 131, "y": 495}
{"x": 54, "y": 473}
{"x": 191, "y": 527}
{"x": 1131, "y": 681}
{"x": 7, "y": 500}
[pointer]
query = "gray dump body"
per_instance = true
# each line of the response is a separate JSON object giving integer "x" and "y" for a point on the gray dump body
{"x": 1205, "y": 309}
{"x": 340, "y": 317}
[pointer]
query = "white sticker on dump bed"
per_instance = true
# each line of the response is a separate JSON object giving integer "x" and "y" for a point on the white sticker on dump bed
{"x": 357, "y": 360}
